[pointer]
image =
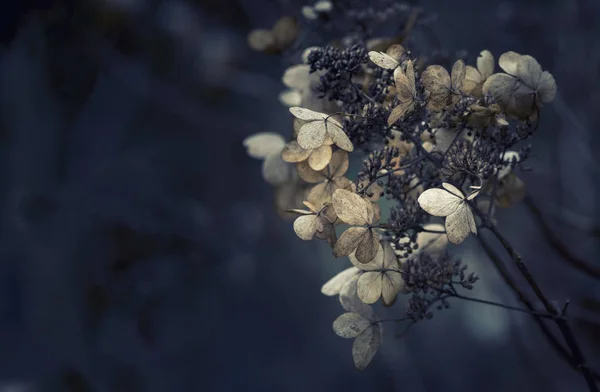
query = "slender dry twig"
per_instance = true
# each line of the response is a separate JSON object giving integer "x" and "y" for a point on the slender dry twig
{"x": 555, "y": 242}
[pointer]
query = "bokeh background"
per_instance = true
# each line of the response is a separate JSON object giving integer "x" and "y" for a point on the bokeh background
{"x": 139, "y": 247}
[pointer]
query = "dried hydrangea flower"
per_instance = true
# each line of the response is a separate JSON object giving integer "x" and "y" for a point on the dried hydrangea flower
{"x": 451, "y": 203}
{"x": 523, "y": 88}
{"x": 313, "y": 223}
{"x": 380, "y": 278}
{"x": 443, "y": 88}
{"x": 366, "y": 331}
{"x": 357, "y": 212}
{"x": 317, "y": 127}
{"x": 406, "y": 92}
{"x": 328, "y": 180}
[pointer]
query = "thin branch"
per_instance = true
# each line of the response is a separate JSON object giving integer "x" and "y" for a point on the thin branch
{"x": 562, "y": 324}
{"x": 562, "y": 352}
{"x": 555, "y": 242}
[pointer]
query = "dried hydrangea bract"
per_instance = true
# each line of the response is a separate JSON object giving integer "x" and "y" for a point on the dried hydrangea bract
{"x": 452, "y": 204}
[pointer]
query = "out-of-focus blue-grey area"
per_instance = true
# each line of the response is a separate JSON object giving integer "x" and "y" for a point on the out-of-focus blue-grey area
{"x": 139, "y": 248}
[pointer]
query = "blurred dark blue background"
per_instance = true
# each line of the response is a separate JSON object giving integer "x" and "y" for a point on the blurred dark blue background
{"x": 139, "y": 246}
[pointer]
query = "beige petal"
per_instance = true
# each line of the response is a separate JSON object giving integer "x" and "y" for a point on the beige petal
{"x": 261, "y": 40}
{"x": 439, "y": 202}
{"x": 292, "y": 152}
{"x": 405, "y": 82}
{"x": 321, "y": 193}
{"x": 458, "y": 74}
{"x": 320, "y": 158}
{"x": 350, "y": 325}
{"x": 391, "y": 283}
{"x": 365, "y": 346}
{"x": 400, "y": 111}
{"x": 297, "y": 76}
{"x": 485, "y": 64}
{"x": 437, "y": 81}
{"x": 339, "y": 137}
{"x": 350, "y": 207}
{"x": 367, "y": 249}
{"x": 312, "y": 134}
{"x": 371, "y": 265}
{"x": 290, "y": 97}
{"x": 307, "y": 114}
{"x": 262, "y": 144}
{"x": 529, "y": 71}
{"x": 396, "y": 52}
{"x": 460, "y": 224}
{"x": 452, "y": 189}
{"x": 389, "y": 259}
{"x": 547, "y": 87}
{"x": 305, "y": 227}
{"x": 501, "y": 87}
{"x": 473, "y": 78}
{"x": 348, "y": 241}
{"x": 309, "y": 175}
{"x": 335, "y": 284}
{"x": 285, "y": 31}
{"x": 339, "y": 163}
{"x": 275, "y": 170}
{"x": 326, "y": 231}
{"x": 509, "y": 61}
{"x": 383, "y": 60}
{"x": 369, "y": 286}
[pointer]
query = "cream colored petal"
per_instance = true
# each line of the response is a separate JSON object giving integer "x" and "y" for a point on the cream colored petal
{"x": 371, "y": 265}
{"x": 292, "y": 152}
{"x": 290, "y": 97}
{"x": 405, "y": 82}
{"x": 262, "y": 144}
{"x": 339, "y": 137}
{"x": 452, "y": 189}
{"x": 309, "y": 175}
{"x": 547, "y": 87}
{"x": 365, "y": 346}
{"x": 501, "y": 87}
{"x": 396, "y": 52}
{"x": 297, "y": 76}
{"x": 285, "y": 31}
{"x": 350, "y": 325}
{"x": 439, "y": 202}
{"x": 389, "y": 259}
{"x": 383, "y": 60}
{"x": 348, "y": 241}
{"x": 368, "y": 247}
{"x": 509, "y": 61}
{"x": 458, "y": 225}
{"x": 320, "y": 194}
{"x": 350, "y": 207}
{"x": 261, "y": 40}
{"x": 458, "y": 74}
{"x": 335, "y": 284}
{"x": 369, "y": 286}
{"x": 391, "y": 283}
{"x": 437, "y": 82}
{"x": 307, "y": 114}
{"x": 400, "y": 111}
{"x": 473, "y": 78}
{"x": 305, "y": 227}
{"x": 529, "y": 71}
{"x": 312, "y": 134}
{"x": 485, "y": 64}
{"x": 275, "y": 170}
{"x": 320, "y": 158}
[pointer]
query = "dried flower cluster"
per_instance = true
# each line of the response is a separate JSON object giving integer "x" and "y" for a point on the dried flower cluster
{"x": 441, "y": 145}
